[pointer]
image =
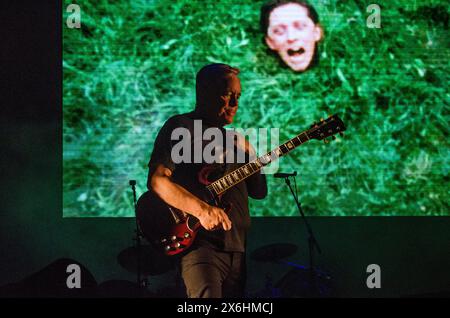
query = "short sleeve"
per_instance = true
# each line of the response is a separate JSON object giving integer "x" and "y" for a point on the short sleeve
{"x": 162, "y": 147}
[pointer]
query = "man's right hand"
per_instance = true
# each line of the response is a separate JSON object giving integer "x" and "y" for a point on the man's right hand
{"x": 213, "y": 218}
{"x": 210, "y": 217}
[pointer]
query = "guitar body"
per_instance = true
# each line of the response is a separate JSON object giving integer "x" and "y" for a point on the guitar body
{"x": 168, "y": 229}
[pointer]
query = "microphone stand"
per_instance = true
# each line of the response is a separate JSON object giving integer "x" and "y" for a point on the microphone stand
{"x": 142, "y": 283}
{"x": 312, "y": 242}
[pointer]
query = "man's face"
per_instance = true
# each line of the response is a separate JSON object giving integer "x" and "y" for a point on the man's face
{"x": 221, "y": 102}
{"x": 293, "y": 35}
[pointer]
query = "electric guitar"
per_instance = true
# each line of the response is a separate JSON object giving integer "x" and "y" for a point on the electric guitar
{"x": 173, "y": 231}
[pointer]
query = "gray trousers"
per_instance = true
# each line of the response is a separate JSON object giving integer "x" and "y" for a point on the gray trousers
{"x": 208, "y": 273}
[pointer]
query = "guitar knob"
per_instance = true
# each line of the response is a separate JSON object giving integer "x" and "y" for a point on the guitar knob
{"x": 187, "y": 235}
{"x": 326, "y": 141}
{"x": 167, "y": 248}
{"x": 173, "y": 238}
{"x": 178, "y": 245}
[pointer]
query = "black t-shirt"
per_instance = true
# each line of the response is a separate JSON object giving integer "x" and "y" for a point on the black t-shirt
{"x": 187, "y": 174}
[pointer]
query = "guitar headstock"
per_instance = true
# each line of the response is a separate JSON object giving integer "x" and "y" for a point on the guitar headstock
{"x": 326, "y": 127}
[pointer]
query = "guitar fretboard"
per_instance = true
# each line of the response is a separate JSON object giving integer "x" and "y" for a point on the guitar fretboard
{"x": 231, "y": 179}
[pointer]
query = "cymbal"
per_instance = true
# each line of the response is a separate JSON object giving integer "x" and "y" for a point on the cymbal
{"x": 152, "y": 262}
{"x": 273, "y": 252}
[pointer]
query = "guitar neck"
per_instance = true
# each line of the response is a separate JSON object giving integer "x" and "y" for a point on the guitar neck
{"x": 231, "y": 179}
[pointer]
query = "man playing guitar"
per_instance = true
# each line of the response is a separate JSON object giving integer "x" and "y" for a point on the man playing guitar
{"x": 214, "y": 266}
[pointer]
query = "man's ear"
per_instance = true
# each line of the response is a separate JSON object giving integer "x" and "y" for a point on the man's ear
{"x": 269, "y": 43}
{"x": 318, "y": 33}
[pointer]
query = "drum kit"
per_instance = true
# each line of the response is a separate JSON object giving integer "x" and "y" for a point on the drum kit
{"x": 299, "y": 281}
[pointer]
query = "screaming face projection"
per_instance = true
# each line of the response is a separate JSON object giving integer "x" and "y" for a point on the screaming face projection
{"x": 292, "y": 34}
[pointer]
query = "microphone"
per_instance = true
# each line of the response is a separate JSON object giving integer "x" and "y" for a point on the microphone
{"x": 285, "y": 175}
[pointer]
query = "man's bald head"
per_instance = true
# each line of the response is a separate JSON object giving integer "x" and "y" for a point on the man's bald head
{"x": 218, "y": 89}
{"x": 210, "y": 79}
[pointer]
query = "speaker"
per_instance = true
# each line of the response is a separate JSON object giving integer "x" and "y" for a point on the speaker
{"x": 52, "y": 281}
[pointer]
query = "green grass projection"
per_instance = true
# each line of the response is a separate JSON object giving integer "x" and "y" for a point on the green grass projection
{"x": 133, "y": 64}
